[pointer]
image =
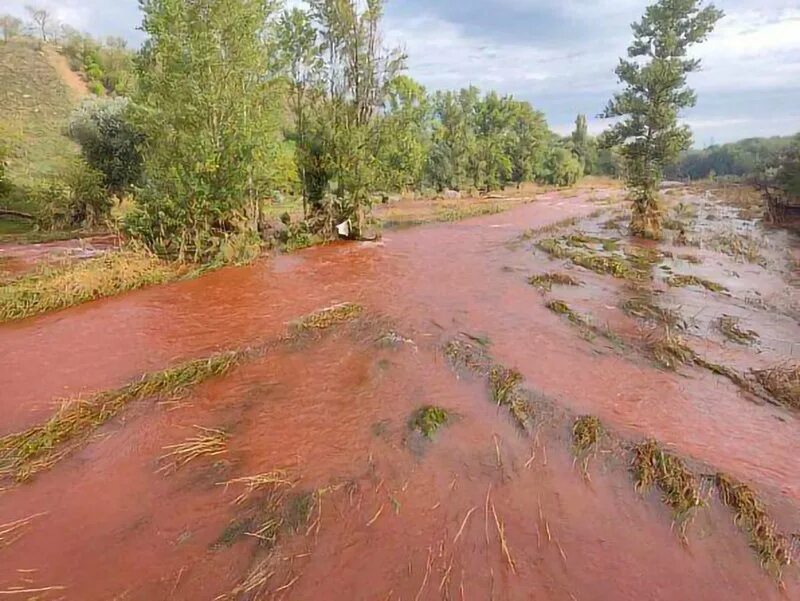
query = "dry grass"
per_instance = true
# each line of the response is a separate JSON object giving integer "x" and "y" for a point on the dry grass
{"x": 38, "y": 448}
{"x": 52, "y": 288}
{"x": 506, "y": 390}
{"x": 545, "y": 281}
{"x": 465, "y": 355}
{"x": 328, "y": 318}
{"x": 679, "y": 487}
{"x": 782, "y": 382}
{"x": 11, "y": 532}
{"x": 259, "y": 482}
{"x": 682, "y": 281}
{"x": 670, "y": 350}
{"x": 645, "y": 307}
{"x": 586, "y": 433}
{"x": 772, "y": 547}
{"x": 207, "y": 443}
{"x": 730, "y": 327}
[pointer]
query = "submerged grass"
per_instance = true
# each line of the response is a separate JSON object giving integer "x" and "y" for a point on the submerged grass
{"x": 329, "y": 317}
{"x": 601, "y": 255}
{"x": 782, "y": 382}
{"x": 732, "y": 330}
{"x": 772, "y": 547}
{"x": 506, "y": 389}
{"x": 645, "y": 307}
{"x": 546, "y": 281}
{"x": 670, "y": 350}
{"x": 38, "y": 448}
{"x": 586, "y": 433}
{"x": 56, "y": 287}
{"x": 679, "y": 487}
{"x": 428, "y": 420}
{"x": 207, "y": 443}
{"x": 682, "y": 281}
{"x": 562, "y": 308}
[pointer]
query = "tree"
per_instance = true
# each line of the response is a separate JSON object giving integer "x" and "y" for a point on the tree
{"x": 299, "y": 56}
{"x": 584, "y": 146}
{"x": 11, "y": 26}
{"x": 109, "y": 141}
{"x": 655, "y": 91}
{"x": 41, "y": 18}
{"x": 209, "y": 117}
{"x": 562, "y": 168}
{"x": 403, "y": 141}
{"x": 356, "y": 72}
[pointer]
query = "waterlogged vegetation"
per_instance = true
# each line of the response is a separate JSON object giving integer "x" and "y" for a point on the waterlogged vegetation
{"x": 293, "y": 451}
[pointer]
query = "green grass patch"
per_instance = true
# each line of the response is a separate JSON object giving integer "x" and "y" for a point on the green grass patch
{"x": 428, "y": 420}
{"x": 52, "y": 288}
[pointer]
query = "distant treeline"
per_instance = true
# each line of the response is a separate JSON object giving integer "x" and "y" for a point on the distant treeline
{"x": 745, "y": 158}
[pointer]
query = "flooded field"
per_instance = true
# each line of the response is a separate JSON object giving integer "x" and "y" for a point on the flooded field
{"x": 522, "y": 405}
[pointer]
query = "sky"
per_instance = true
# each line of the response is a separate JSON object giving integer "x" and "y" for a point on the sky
{"x": 560, "y": 55}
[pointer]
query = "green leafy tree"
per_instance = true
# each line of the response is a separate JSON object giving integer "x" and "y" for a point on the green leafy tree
{"x": 788, "y": 173}
{"x": 584, "y": 146}
{"x": 209, "y": 119}
{"x": 109, "y": 141}
{"x": 528, "y": 142}
{"x": 562, "y": 168}
{"x": 403, "y": 140}
{"x": 655, "y": 91}
{"x": 299, "y": 58}
{"x": 338, "y": 155}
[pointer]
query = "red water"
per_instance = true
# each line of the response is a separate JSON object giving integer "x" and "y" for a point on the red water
{"x": 115, "y": 529}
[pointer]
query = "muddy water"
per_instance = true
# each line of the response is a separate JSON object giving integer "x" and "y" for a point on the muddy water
{"x": 337, "y": 411}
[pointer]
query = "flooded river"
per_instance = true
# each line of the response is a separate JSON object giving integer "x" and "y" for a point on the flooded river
{"x": 482, "y": 511}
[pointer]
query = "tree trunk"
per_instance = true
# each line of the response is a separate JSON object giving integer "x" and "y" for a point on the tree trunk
{"x": 646, "y": 218}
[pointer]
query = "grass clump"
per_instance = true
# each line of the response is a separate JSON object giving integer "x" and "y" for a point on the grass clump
{"x": 428, "y": 420}
{"x": 466, "y": 355}
{"x": 679, "y": 487}
{"x": 327, "y": 318}
{"x": 40, "y": 447}
{"x": 53, "y": 288}
{"x": 670, "y": 350}
{"x": 772, "y": 547}
{"x": 645, "y": 307}
{"x": 682, "y": 281}
{"x": 562, "y": 308}
{"x": 586, "y": 433}
{"x": 782, "y": 382}
{"x": 545, "y": 281}
{"x": 730, "y": 328}
{"x": 506, "y": 389}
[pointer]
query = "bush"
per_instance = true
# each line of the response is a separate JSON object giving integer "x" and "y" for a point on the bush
{"x": 73, "y": 197}
{"x": 109, "y": 141}
{"x": 562, "y": 168}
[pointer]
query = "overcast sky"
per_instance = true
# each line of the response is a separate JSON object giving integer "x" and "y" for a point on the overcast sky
{"x": 560, "y": 54}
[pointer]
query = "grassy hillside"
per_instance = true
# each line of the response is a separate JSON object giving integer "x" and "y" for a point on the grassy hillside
{"x": 35, "y": 105}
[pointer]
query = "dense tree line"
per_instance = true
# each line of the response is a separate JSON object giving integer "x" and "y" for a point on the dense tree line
{"x": 742, "y": 159}
{"x": 230, "y": 102}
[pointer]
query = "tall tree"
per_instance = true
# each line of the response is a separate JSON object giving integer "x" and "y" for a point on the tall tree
{"x": 299, "y": 55}
{"x": 357, "y": 71}
{"x": 11, "y": 26}
{"x": 654, "y": 76}
{"x": 41, "y": 18}
{"x": 209, "y": 119}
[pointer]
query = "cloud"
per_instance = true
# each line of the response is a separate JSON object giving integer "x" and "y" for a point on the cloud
{"x": 561, "y": 55}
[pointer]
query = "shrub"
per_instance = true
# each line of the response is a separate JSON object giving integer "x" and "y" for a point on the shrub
{"x": 109, "y": 141}
{"x": 562, "y": 168}
{"x": 73, "y": 197}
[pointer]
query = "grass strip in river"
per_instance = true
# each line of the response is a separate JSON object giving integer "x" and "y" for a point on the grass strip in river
{"x": 40, "y": 447}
